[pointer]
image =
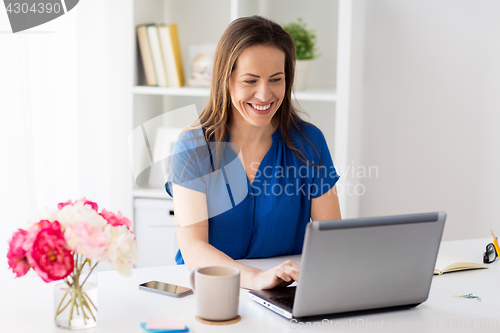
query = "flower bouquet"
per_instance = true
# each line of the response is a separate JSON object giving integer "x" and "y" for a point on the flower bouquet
{"x": 66, "y": 243}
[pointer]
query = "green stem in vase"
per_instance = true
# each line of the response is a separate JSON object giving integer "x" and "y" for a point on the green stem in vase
{"x": 75, "y": 276}
{"x": 69, "y": 301}
{"x": 60, "y": 303}
{"x": 85, "y": 294}
{"x": 83, "y": 311}
{"x": 79, "y": 298}
{"x": 72, "y": 308}
{"x": 83, "y": 301}
{"x": 91, "y": 270}
{"x": 67, "y": 282}
{"x": 76, "y": 263}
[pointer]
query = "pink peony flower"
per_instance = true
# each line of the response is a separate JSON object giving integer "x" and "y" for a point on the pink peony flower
{"x": 47, "y": 253}
{"x": 32, "y": 233}
{"x": 62, "y": 204}
{"x": 91, "y": 241}
{"x": 17, "y": 255}
{"x": 84, "y": 200}
{"x": 116, "y": 219}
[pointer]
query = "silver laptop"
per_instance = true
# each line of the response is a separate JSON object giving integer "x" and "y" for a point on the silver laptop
{"x": 361, "y": 264}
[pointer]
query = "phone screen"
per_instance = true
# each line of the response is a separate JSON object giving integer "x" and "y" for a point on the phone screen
{"x": 166, "y": 287}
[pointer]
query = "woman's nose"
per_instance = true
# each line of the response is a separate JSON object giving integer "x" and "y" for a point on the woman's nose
{"x": 264, "y": 92}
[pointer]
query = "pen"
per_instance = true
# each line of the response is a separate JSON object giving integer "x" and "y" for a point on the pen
{"x": 495, "y": 242}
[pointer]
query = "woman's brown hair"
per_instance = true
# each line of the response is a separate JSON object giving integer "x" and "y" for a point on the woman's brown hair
{"x": 239, "y": 35}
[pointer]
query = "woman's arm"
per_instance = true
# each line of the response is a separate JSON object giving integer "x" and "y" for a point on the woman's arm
{"x": 191, "y": 218}
{"x": 326, "y": 207}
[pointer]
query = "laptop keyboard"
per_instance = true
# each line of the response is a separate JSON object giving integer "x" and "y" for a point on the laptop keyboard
{"x": 285, "y": 300}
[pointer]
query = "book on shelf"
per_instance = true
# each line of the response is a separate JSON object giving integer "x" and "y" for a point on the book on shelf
{"x": 147, "y": 57}
{"x": 449, "y": 262}
{"x": 156, "y": 51}
{"x": 172, "y": 57}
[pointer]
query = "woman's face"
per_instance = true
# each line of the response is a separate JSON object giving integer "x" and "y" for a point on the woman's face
{"x": 257, "y": 84}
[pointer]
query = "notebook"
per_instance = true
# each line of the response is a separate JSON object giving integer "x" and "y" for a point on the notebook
{"x": 449, "y": 262}
{"x": 361, "y": 264}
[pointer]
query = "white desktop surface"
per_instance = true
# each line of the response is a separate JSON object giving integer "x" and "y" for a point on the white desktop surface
{"x": 26, "y": 304}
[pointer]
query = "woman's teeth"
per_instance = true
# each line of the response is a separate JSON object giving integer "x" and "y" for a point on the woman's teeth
{"x": 261, "y": 107}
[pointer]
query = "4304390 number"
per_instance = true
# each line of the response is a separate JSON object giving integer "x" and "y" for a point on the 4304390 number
{"x": 36, "y": 8}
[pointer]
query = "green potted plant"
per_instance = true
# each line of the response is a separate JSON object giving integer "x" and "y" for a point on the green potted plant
{"x": 306, "y": 51}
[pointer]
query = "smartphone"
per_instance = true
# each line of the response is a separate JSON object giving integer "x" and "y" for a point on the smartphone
{"x": 167, "y": 289}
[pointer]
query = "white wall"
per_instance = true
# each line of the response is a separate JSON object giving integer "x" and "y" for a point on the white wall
{"x": 431, "y": 102}
{"x": 105, "y": 53}
{"x": 65, "y": 113}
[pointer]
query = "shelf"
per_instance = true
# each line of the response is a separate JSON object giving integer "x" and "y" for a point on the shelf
{"x": 184, "y": 91}
{"x": 150, "y": 193}
{"x": 316, "y": 94}
{"x": 313, "y": 94}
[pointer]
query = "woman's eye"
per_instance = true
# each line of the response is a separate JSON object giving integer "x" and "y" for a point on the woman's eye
{"x": 276, "y": 80}
{"x": 251, "y": 81}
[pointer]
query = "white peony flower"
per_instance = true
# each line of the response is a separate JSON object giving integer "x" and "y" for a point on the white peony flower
{"x": 122, "y": 250}
{"x": 78, "y": 212}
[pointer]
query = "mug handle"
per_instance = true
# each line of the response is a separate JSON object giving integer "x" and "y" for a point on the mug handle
{"x": 191, "y": 277}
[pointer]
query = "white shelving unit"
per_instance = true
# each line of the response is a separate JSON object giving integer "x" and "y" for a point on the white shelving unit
{"x": 327, "y": 101}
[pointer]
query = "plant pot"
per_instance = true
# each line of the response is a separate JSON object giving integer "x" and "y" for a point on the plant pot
{"x": 75, "y": 303}
{"x": 301, "y": 73}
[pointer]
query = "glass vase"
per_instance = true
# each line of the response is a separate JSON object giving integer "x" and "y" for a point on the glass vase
{"x": 75, "y": 302}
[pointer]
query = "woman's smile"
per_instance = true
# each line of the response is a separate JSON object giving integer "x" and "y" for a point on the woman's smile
{"x": 261, "y": 108}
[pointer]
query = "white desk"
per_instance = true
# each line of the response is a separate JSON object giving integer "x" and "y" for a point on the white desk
{"x": 26, "y": 304}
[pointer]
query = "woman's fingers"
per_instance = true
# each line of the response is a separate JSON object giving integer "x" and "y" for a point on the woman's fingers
{"x": 292, "y": 263}
{"x": 292, "y": 272}
{"x": 281, "y": 274}
{"x": 288, "y": 271}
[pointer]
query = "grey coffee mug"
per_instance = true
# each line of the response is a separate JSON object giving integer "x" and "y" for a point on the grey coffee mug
{"x": 217, "y": 291}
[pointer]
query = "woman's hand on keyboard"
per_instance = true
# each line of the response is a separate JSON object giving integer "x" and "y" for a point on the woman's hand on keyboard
{"x": 280, "y": 276}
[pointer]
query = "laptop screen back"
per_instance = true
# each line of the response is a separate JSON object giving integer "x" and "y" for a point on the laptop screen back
{"x": 367, "y": 263}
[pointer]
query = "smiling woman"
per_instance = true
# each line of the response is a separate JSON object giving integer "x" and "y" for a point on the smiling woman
{"x": 226, "y": 206}
{"x": 257, "y": 85}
